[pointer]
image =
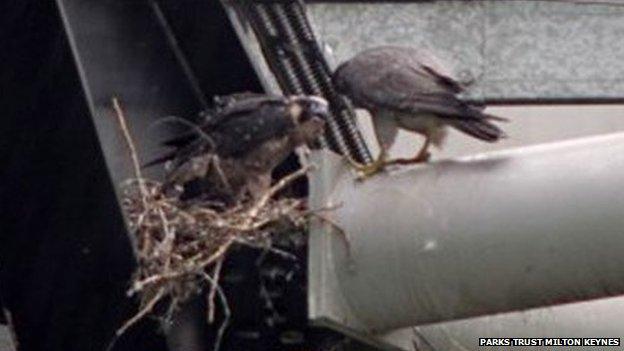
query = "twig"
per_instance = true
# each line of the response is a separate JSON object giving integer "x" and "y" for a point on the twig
{"x": 226, "y": 312}
{"x": 253, "y": 213}
{"x": 173, "y": 306}
{"x": 213, "y": 289}
{"x": 218, "y": 254}
{"x": 137, "y": 317}
{"x": 270, "y": 249}
{"x": 343, "y": 234}
{"x": 133, "y": 152}
{"x": 216, "y": 163}
{"x": 169, "y": 240}
{"x": 154, "y": 279}
{"x": 178, "y": 242}
{"x": 149, "y": 306}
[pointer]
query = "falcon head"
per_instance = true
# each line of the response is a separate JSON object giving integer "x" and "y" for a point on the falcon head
{"x": 308, "y": 114}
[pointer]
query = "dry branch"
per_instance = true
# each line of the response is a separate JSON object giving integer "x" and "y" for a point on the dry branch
{"x": 179, "y": 243}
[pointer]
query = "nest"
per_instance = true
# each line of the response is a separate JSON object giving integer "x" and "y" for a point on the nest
{"x": 180, "y": 245}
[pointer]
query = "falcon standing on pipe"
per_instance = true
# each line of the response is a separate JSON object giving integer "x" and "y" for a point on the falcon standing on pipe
{"x": 233, "y": 152}
{"x": 407, "y": 88}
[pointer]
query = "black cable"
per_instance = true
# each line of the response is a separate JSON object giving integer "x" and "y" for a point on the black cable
{"x": 344, "y": 111}
{"x": 295, "y": 58}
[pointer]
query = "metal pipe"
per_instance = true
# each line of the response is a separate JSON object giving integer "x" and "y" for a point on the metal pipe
{"x": 492, "y": 233}
{"x": 590, "y": 319}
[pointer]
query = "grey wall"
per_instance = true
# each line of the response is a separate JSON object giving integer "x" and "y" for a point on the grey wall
{"x": 513, "y": 50}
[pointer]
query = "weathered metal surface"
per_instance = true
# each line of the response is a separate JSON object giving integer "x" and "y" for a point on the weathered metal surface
{"x": 512, "y": 51}
{"x": 250, "y": 43}
{"x": 485, "y": 234}
{"x": 6, "y": 341}
{"x": 121, "y": 49}
{"x": 125, "y": 49}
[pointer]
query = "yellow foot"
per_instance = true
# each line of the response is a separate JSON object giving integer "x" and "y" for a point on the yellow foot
{"x": 408, "y": 161}
{"x": 368, "y": 170}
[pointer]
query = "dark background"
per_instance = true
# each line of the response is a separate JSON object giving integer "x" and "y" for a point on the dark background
{"x": 64, "y": 257}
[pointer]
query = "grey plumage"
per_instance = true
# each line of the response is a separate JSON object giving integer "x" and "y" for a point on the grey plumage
{"x": 409, "y": 88}
{"x": 233, "y": 152}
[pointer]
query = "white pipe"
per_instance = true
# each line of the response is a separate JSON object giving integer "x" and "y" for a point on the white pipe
{"x": 591, "y": 319}
{"x": 512, "y": 230}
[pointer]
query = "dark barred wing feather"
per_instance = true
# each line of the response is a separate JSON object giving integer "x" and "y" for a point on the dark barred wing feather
{"x": 233, "y": 128}
{"x": 393, "y": 78}
{"x": 237, "y": 135}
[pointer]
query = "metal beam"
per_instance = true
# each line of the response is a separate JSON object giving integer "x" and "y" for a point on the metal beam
{"x": 491, "y": 233}
{"x": 511, "y": 51}
{"x": 6, "y": 340}
{"x": 124, "y": 49}
{"x": 121, "y": 49}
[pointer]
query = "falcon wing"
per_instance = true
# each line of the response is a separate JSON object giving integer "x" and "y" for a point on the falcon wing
{"x": 241, "y": 103}
{"x": 236, "y": 127}
{"x": 244, "y": 130}
{"x": 224, "y": 107}
{"x": 406, "y": 80}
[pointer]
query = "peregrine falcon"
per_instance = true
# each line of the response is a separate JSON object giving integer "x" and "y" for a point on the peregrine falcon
{"x": 232, "y": 153}
{"x": 408, "y": 88}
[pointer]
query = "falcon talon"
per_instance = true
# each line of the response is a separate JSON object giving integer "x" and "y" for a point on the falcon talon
{"x": 369, "y": 170}
{"x": 409, "y": 161}
{"x": 365, "y": 171}
{"x": 362, "y": 176}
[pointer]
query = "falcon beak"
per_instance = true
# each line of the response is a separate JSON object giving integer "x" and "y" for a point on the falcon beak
{"x": 309, "y": 113}
{"x": 319, "y": 106}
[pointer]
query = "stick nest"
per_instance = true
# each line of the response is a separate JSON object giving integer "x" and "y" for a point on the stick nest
{"x": 180, "y": 245}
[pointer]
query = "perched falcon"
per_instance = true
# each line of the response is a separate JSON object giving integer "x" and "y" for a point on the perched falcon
{"x": 408, "y": 88}
{"x": 232, "y": 153}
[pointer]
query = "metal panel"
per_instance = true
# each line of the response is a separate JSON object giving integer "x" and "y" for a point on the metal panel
{"x": 121, "y": 49}
{"x": 6, "y": 341}
{"x": 512, "y": 51}
{"x": 125, "y": 49}
{"x": 250, "y": 43}
{"x": 484, "y": 234}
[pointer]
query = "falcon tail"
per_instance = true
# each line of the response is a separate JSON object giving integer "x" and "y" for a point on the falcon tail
{"x": 481, "y": 129}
